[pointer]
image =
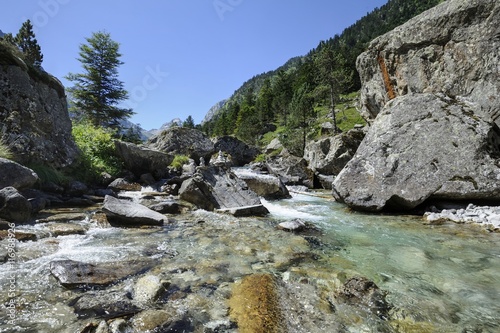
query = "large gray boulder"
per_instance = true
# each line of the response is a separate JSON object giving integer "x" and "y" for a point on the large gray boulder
{"x": 451, "y": 49}
{"x": 34, "y": 116}
{"x": 328, "y": 156}
{"x": 214, "y": 188}
{"x": 183, "y": 141}
{"x": 267, "y": 186}
{"x": 16, "y": 175}
{"x": 141, "y": 160}
{"x": 14, "y": 207}
{"x": 127, "y": 213}
{"x": 292, "y": 170}
{"x": 240, "y": 152}
{"x": 423, "y": 146}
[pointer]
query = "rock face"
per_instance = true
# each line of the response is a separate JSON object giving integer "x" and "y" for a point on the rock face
{"x": 217, "y": 188}
{"x": 451, "y": 49}
{"x": 268, "y": 186}
{"x": 15, "y": 175}
{"x": 328, "y": 156}
{"x": 240, "y": 152}
{"x": 34, "y": 114}
{"x": 140, "y": 160}
{"x": 183, "y": 141}
{"x": 438, "y": 138}
{"x": 127, "y": 213}
{"x": 13, "y": 206}
{"x": 439, "y": 149}
{"x": 292, "y": 170}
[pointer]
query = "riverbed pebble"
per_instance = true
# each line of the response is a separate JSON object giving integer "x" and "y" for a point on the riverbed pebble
{"x": 487, "y": 216}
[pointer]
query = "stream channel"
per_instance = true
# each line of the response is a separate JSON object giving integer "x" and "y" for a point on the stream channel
{"x": 437, "y": 278}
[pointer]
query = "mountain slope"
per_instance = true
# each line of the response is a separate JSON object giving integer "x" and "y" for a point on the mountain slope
{"x": 302, "y": 70}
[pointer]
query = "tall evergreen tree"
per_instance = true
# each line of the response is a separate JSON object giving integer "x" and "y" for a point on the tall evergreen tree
{"x": 332, "y": 71}
{"x": 98, "y": 91}
{"x": 301, "y": 117}
{"x": 189, "y": 122}
{"x": 27, "y": 43}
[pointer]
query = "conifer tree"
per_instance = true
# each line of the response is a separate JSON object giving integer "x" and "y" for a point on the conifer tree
{"x": 189, "y": 122}
{"x": 98, "y": 91}
{"x": 333, "y": 73}
{"x": 27, "y": 43}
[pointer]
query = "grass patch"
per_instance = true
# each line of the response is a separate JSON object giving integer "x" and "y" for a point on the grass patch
{"x": 5, "y": 151}
{"x": 179, "y": 161}
{"x": 48, "y": 174}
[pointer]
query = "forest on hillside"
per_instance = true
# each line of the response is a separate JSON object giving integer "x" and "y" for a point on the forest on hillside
{"x": 294, "y": 99}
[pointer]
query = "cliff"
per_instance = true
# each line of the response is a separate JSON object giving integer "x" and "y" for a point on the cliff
{"x": 34, "y": 118}
{"x": 450, "y": 49}
{"x": 430, "y": 90}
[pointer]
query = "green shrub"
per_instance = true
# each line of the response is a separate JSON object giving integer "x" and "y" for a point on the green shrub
{"x": 97, "y": 152}
{"x": 179, "y": 161}
{"x": 5, "y": 150}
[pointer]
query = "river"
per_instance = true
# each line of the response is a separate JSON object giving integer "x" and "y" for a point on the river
{"x": 437, "y": 278}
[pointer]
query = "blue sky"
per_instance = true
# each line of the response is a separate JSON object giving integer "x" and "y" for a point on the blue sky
{"x": 183, "y": 56}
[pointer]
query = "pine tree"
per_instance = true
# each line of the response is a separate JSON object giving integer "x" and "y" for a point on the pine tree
{"x": 333, "y": 73}
{"x": 189, "y": 122}
{"x": 27, "y": 43}
{"x": 301, "y": 117}
{"x": 98, "y": 91}
{"x": 9, "y": 39}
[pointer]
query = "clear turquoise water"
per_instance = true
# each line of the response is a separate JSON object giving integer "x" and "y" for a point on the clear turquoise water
{"x": 446, "y": 276}
{"x": 437, "y": 278}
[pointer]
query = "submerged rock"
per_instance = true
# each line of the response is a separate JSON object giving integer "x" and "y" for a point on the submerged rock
{"x": 104, "y": 304}
{"x": 126, "y": 213}
{"x": 254, "y": 305}
{"x": 76, "y": 274}
{"x": 293, "y": 225}
{"x": 149, "y": 289}
{"x": 360, "y": 291}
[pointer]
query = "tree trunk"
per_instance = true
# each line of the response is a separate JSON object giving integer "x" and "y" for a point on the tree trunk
{"x": 332, "y": 103}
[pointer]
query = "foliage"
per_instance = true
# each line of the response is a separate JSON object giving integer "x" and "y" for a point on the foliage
{"x": 329, "y": 70}
{"x": 47, "y": 174}
{"x": 179, "y": 161}
{"x": 5, "y": 151}
{"x": 98, "y": 91}
{"x": 27, "y": 43}
{"x": 97, "y": 151}
{"x": 301, "y": 118}
{"x": 189, "y": 122}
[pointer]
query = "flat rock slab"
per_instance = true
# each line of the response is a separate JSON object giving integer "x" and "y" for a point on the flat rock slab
{"x": 129, "y": 214}
{"x": 75, "y": 274}
{"x": 256, "y": 210}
